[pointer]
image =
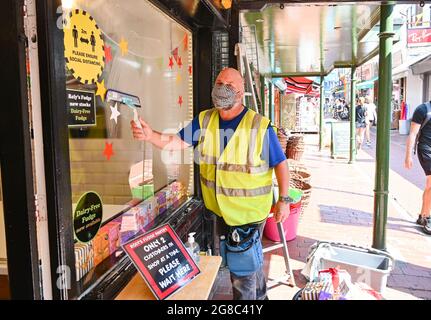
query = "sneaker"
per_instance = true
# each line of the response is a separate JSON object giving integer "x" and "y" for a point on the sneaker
{"x": 427, "y": 227}
{"x": 423, "y": 221}
{"x": 368, "y": 143}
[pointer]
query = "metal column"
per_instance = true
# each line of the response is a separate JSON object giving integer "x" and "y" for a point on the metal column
{"x": 353, "y": 115}
{"x": 353, "y": 87}
{"x": 322, "y": 94}
{"x": 271, "y": 101}
{"x": 262, "y": 95}
{"x": 383, "y": 127}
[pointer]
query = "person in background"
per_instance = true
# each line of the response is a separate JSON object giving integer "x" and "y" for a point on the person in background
{"x": 360, "y": 122}
{"x": 236, "y": 177}
{"x": 370, "y": 118}
{"x": 419, "y": 139}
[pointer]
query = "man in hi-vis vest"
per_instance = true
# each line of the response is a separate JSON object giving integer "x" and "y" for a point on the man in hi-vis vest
{"x": 238, "y": 151}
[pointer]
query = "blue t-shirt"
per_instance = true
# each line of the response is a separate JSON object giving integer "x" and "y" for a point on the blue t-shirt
{"x": 271, "y": 153}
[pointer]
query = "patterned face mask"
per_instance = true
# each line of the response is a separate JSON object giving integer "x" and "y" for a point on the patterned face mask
{"x": 224, "y": 96}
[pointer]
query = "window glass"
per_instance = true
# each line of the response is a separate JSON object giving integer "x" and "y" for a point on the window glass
{"x": 147, "y": 71}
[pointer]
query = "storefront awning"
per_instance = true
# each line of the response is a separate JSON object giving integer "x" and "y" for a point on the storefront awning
{"x": 402, "y": 70}
{"x": 422, "y": 66}
{"x": 366, "y": 84}
{"x": 300, "y": 85}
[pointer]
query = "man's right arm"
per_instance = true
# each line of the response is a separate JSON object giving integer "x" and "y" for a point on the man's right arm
{"x": 169, "y": 142}
{"x": 414, "y": 130}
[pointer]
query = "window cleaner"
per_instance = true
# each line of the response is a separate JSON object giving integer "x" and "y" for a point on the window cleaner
{"x": 193, "y": 247}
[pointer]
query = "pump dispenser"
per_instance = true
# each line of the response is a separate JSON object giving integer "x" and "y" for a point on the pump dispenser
{"x": 193, "y": 247}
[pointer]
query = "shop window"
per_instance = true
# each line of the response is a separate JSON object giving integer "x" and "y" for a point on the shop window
{"x": 147, "y": 71}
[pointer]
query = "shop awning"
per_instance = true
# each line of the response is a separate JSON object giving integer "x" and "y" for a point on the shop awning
{"x": 366, "y": 84}
{"x": 402, "y": 70}
{"x": 300, "y": 85}
{"x": 422, "y": 66}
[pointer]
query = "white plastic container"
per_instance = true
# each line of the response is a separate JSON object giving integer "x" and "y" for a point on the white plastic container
{"x": 364, "y": 265}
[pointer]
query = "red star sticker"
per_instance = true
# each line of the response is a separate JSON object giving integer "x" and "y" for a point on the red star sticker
{"x": 180, "y": 100}
{"x": 171, "y": 62}
{"x": 108, "y": 152}
{"x": 179, "y": 62}
{"x": 108, "y": 55}
{"x": 190, "y": 70}
{"x": 186, "y": 42}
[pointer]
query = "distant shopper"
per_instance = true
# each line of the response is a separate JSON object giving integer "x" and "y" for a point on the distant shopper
{"x": 360, "y": 122}
{"x": 420, "y": 140}
{"x": 370, "y": 117}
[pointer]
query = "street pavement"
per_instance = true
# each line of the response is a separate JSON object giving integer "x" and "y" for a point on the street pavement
{"x": 341, "y": 210}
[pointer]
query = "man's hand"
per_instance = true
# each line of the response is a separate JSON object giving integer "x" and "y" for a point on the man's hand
{"x": 144, "y": 134}
{"x": 281, "y": 211}
{"x": 408, "y": 163}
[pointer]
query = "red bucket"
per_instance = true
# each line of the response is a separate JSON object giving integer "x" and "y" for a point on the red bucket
{"x": 290, "y": 225}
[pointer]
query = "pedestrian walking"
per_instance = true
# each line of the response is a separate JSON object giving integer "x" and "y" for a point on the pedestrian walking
{"x": 360, "y": 122}
{"x": 419, "y": 141}
{"x": 370, "y": 118}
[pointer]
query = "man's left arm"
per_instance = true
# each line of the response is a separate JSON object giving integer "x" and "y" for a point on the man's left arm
{"x": 282, "y": 209}
{"x": 276, "y": 158}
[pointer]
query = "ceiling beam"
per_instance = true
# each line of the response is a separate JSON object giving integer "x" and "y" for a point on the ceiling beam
{"x": 252, "y": 5}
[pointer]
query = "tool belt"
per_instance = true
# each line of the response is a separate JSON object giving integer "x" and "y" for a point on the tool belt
{"x": 242, "y": 250}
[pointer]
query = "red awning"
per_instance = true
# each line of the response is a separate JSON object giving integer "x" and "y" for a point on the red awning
{"x": 300, "y": 85}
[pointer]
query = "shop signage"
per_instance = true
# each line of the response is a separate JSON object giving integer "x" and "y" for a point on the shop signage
{"x": 162, "y": 260}
{"x": 83, "y": 47}
{"x": 81, "y": 108}
{"x": 87, "y": 217}
{"x": 419, "y": 37}
{"x": 340, "y": 139}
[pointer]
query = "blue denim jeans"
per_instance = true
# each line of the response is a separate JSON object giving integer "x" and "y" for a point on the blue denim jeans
{"x": 250, "y": 287}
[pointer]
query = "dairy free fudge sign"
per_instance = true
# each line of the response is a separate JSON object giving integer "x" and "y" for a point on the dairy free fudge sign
{"x": 162, "y": 260}
{"x": 81, "y": 108}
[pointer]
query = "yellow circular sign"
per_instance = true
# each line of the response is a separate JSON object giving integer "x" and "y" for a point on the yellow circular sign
{"x": 84, "y": 48}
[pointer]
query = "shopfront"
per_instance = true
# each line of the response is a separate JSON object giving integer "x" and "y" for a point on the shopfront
{"x": 99, "y": 65}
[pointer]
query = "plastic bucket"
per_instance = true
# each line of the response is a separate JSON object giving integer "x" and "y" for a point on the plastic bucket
{"x": 290, "y": 225}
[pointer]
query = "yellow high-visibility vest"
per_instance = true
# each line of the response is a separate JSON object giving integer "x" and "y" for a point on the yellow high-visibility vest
{"x": 237, "y": 184}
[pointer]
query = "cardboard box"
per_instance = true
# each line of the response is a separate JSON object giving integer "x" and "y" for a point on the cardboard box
{"x": 101, "y": 246}
{"x": 84, "y": 259}
{"x": 113, "y": 230}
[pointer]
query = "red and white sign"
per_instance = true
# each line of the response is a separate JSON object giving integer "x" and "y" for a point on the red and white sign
{"x": 419, "y": 37}
{"x": 163, "y": 261}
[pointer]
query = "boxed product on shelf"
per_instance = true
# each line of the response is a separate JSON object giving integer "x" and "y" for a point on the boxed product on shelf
{"x": 126, "y": 236}
{"x": 161, "y": 201}
{"x": 113, "y": 230}
{"x": 148, "y": 208}
{"x": 101, "y": 246}
{"x": 84, "y": 259}
{"x": 143, "y": 191}
{"x": 130, "y": 220}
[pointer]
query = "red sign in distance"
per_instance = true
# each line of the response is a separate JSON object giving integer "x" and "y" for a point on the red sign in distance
{"x": 162, "y": 260}
{"x": 421, "y": 36}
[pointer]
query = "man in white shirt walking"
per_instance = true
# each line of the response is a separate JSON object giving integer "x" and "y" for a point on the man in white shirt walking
{"x": 370, "y": 117}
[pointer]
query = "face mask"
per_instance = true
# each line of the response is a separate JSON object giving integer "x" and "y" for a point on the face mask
{"x": 224, "y": 96}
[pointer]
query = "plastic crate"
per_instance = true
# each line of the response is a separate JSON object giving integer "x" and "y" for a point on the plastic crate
{"x": 366, "y": 265}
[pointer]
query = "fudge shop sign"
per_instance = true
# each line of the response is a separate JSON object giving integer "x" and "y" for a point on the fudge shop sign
{"x": 81, "y": 108}
{"x": 162, "y": 260}
{"x": 87, "y": 217}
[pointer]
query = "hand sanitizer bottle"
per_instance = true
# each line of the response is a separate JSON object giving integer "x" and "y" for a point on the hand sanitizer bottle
{"x": 193, "y": 247}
